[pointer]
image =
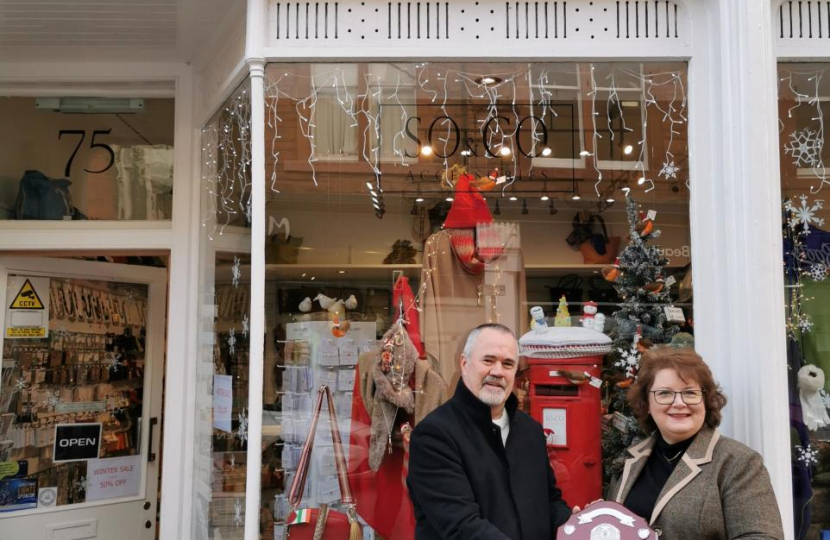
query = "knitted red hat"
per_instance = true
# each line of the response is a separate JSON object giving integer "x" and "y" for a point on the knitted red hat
{"x": 468, "y": 208}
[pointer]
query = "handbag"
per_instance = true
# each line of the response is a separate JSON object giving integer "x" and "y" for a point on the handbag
{"x": 322, "y": 523}
{"x": 596, "y": 246}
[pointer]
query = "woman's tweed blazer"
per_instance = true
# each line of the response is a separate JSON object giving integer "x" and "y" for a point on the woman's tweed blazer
{"x": 720, "y": 490}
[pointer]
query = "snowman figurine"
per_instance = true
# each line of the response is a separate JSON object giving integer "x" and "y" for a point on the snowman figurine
{"x": 599, "y": 322}
{"x": 589, "y": 311}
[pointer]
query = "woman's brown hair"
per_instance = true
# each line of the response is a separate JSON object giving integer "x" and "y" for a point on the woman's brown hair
{"x": 690, "y": 367}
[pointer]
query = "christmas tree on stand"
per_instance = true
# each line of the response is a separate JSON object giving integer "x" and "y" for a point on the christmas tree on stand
{"x": 641, "y": 322}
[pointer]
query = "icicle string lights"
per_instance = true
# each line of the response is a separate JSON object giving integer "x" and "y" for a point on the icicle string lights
{"x": 806, "y": 142}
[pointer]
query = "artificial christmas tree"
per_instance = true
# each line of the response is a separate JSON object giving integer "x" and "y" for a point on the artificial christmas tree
{"x": 640, "y": 323}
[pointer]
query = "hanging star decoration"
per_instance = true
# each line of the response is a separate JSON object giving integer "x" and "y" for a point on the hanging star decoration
{"x": 629, "y": 360}
{"x": 52, "y": 399}
{"x": 245, "y": 326}
{"x": 807, "y": 454}
{"x": 236, "y": 272}
{"x": 804, "y": 214}
{"x": 242, "y": 431}
{"x": 818, "y": 272}
{"x": 805, "y": 148}
{"x": 232, "y": 342}
{"x": 669, "y": 170}
{"x": 237, "y": 513}
{"x": 20, "y": 385}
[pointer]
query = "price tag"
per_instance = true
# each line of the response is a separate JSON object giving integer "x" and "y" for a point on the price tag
{"x": 620, "y": 422}
{"x": 596, "y": 383}
{"x": 674, "y": 314}
{"x": 652, "y": 215}
{"x": 670, "y": 281}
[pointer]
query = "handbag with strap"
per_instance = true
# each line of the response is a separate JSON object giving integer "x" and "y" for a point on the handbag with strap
{"x": 322, "y": 523}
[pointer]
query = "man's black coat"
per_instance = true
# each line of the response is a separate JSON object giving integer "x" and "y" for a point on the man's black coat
{"x": 465, "y": 484}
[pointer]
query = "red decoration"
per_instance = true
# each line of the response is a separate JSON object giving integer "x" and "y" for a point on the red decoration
{"x": 469, "y": 207}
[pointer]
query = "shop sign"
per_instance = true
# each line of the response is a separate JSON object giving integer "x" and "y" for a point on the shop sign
{"x": 27, "y": 313}
{"x": 114, "y": 477}
{"x": 222, "y": 402}
{"x": 76, "y": 442}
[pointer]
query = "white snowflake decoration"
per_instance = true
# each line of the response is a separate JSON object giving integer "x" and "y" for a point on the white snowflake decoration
{"x": 669, "y": 170}
{"x": 807, "y": 455}
{"x": 805, "y": 324}
{"x": 245, "y": 326}
{"x": 805, "y": 148}
{"x": 20, "y": 385}
{"x": 825, "y": 398}
{"x": 236, "y": 273}
{"x": 82, "y": 484}
{"x": 242, "y": 432}
{"x": 232, "y": 342}
{"x": 818, "y": 272}
{"x": 114, "y": 362}
{"x": 629, "y": 360}
{"x": 237, "y": 513}
{"x": 805, "y": 214}
{"x": 52, "y": 399}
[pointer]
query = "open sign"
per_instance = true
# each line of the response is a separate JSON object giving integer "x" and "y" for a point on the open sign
{"x": 77, "y": 442}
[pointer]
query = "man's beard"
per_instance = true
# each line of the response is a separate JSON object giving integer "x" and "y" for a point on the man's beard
{"x": 492, "y": 396}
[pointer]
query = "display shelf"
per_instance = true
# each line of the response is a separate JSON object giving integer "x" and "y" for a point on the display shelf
{"x": 339, "y": 272}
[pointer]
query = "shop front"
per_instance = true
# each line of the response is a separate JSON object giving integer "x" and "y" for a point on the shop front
{"x": 358, "y": 185}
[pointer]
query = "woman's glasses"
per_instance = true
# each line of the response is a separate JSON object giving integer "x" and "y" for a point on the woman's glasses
{"x": 667, "y": 397}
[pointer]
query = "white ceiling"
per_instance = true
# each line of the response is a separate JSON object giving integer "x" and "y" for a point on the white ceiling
{"x": 110, "y": 30}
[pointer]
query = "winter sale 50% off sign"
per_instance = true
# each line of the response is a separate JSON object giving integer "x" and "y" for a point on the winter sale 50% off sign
{"x": 113, "y": 478}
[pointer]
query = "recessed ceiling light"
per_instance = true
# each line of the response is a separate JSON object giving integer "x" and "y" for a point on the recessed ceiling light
{"x": 575, "y": 197}
{"x": 545, "y": 198}
{"x": 449, "y": 199}
{"x": 488, "y": 79}
{"x": 514, "y": 198}
{"x": 627, "y": 149}
{"x": 419, "y": 199}
{"x": 546, "y": 151}
{"x": 609, "y": 200}
{"x": 466, "y": 152}
{"x": 313, "y": 278}
{"x": 505, "y": 151}
{"x": 426, "y": 150}
{"x": 304, "y": 274}
{"x": 341, "y": 271}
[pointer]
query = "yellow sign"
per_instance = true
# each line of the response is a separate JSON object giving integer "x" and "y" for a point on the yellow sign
{"x": 27, "y": 298}
{"x": 26, "y": 332}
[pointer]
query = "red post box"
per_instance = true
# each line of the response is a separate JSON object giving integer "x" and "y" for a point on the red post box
{"x": 565, "y": 399}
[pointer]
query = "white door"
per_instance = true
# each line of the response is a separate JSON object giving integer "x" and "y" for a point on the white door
{"x": 80, "y": 399}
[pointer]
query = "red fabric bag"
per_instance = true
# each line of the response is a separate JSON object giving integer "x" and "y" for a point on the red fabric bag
{"x": 335, "y": 525}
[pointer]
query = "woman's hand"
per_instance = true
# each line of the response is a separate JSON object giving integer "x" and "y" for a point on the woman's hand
{"x": 578, "y": 509}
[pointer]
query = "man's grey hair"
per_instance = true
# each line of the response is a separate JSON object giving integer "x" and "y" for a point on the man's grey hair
{"x": 473, "y": 335}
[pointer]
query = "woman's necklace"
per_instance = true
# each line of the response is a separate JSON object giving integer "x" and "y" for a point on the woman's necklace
{"x": 670, "y": 460}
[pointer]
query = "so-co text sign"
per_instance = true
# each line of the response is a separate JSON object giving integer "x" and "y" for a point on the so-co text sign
{"x": 77, "y": 442}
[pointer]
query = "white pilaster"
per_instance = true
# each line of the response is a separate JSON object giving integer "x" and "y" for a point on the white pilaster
{"x": 736, "y": 227}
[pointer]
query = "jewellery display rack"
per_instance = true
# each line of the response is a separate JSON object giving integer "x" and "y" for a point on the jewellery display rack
{"x": 90, "y": 368}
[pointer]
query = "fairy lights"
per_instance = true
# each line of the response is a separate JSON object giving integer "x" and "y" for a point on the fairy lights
{"x": 806, "y": 142}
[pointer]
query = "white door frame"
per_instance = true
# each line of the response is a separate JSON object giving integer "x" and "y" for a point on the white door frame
{"x": 16, "y": 523}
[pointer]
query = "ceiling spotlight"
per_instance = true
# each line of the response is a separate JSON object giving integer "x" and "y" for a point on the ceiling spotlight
{"x": 505, "y": 151}
{"x": 546, "y": 151}
{"x": 627, "y": 149}
{"x": 426, "y": 150}
{"x": 313, "y": 278}
{"x": 466, "y": 152}
{"x": 449, "y": 199}
{"x": 641, "y": 180}
{"x": 585, "y": 153}
{"x": 341, "y": 271}
{"x": 514, "y": 198}
{"x": 553, "y": 211}
{"x": 609, "y": 200}
{"x": 524, "y": 207}
{"x": 419, "y": 199}
{"x": 303, "y": 274}
{"x": 497, "y": 209}
{"x": 544, "y": 197}
{"x": 488, "y": 80}
{"x": 370, "y": 186}
{"x": 575, "y": 197}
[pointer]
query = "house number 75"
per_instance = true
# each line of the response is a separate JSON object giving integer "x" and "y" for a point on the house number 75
{"x": 92, "y": 145}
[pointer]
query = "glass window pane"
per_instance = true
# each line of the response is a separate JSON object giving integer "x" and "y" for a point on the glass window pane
{"x": 100, "y": 158}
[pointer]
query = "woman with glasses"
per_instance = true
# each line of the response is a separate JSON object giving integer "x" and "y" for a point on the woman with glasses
{"x": 687, "y": 480}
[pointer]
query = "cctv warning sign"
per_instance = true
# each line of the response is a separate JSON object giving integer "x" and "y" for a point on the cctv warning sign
{"x": 27, "y": 313}
{"x": 27, "y": 298}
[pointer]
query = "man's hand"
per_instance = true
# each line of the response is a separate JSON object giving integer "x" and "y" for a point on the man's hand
{"x": 578, "y": 509}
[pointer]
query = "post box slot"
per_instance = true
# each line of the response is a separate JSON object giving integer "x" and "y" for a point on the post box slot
{"x": 557, "y": 390}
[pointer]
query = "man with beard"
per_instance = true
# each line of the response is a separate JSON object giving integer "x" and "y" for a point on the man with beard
{"x": 478, "y": 467}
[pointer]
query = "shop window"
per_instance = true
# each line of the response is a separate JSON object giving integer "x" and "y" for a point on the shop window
{"x": 77, "y": 158}
{"x": 354, "y": 246}
{"x": 803, "y": 106}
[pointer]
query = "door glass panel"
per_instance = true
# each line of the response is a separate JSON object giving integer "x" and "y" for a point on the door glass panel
{"x": 72, "y": 392}
{"x": 101, "y": 158}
